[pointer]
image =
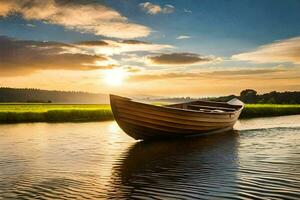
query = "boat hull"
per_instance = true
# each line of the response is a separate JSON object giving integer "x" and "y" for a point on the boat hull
{"x": 146, "y": 122}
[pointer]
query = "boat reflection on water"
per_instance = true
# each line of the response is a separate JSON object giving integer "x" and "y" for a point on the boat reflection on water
{"x": 186, "y": 168}
{"x": 98, "y": 161}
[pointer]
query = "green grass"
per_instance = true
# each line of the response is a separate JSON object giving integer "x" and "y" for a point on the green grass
{"x": 14, "y": 113}
{"x": 269, "y": 110}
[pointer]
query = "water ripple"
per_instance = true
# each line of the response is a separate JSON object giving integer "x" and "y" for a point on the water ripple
{"x": 98, "y": 161}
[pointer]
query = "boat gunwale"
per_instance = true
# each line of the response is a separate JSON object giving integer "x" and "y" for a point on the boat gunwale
{"x": 180, "y": 109}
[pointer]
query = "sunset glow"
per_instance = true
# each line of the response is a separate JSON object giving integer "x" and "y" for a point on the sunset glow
{"x": 198, "y": 48}
{"x": 114, "y": 77}
{"x": 149, "y": 99}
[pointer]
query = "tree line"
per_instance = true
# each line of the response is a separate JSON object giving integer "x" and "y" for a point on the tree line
{"x": 32, "y": 95}
{"x": 251, "y": 96}
{"x": 247, "y": 96}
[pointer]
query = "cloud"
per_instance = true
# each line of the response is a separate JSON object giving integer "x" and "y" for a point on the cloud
{"x": 168, "y": 9}
{"x": 133, "y": 42}
{"x": 187, "y": 11}
{"x": 163, "y": 76}
{"x": 111, "y": 47}
{"x": 221, "y": 74}
{"x": 178, "y": 59}
{"x": 154, "y": 9}
{"x": 31, "y": 25}
{"x": 183, "y": 37}
{"x": 92, "y": 43}
{"x": 287, "y": 50}
{"x": 20, "y": 57}
{"x": 6, "y": 7}
{"x": 89, "y": 18}
{"x": 132, "y": 69}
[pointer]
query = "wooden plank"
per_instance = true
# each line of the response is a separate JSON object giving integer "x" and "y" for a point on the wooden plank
{"x": 172, "y": 119}
{"x": 174, "y": 111}
{"x": 154, "y": 121}
{"x": 212, "y": 108}
{"x": 139, "y": 132}
{"x": 169, "y": 129}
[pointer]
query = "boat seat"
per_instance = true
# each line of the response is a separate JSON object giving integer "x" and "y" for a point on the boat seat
{"x": 216, "y": 109}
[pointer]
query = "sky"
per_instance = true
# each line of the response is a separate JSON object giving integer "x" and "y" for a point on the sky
{"x": 159, "y": 48}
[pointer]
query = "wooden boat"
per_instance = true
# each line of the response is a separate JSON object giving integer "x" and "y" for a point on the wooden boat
{"x": 146, "y": 121}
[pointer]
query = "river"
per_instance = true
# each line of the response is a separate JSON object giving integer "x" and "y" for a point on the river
{"x": 259, "y": 159}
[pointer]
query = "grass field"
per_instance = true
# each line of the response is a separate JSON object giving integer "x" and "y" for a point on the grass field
{"x": 14, "y": 113}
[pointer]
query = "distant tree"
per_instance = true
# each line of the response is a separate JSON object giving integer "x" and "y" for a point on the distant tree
{"x": 43, "y": 96}
{"x": 248, "y": 92}
{"x": 249, "y": 96}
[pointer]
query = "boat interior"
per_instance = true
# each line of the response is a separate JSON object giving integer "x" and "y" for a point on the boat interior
{"x": 207, "y": 106}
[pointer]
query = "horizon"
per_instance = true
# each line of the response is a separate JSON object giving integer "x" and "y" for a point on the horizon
{"x": 145, "y": 96}
{"x": 156, "y": 48}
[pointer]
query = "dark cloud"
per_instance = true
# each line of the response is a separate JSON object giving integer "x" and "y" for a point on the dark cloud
{"x": 110, "y": 47}
{"x": 111, "y": 43}
{"x": 134, "y": 42}
{"x": 178, "y": 59}
{"x": 93, "y": 43}
{"x": 19, "y": 57}
{"x": 237, "y": 74}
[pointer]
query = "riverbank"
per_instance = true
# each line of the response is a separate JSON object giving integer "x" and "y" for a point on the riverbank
{"x": 269, "y": 110}
{"x": 16, "y": 113}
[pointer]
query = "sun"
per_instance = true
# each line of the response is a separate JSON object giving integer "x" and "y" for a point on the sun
{"x": 114, "y": 77}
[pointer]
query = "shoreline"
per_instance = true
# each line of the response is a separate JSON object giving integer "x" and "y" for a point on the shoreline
{"x": 54, "y": 113}
{"x": 269, "y": 110}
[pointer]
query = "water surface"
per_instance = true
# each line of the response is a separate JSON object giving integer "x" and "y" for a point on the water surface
{"x": 97, "y": 160}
